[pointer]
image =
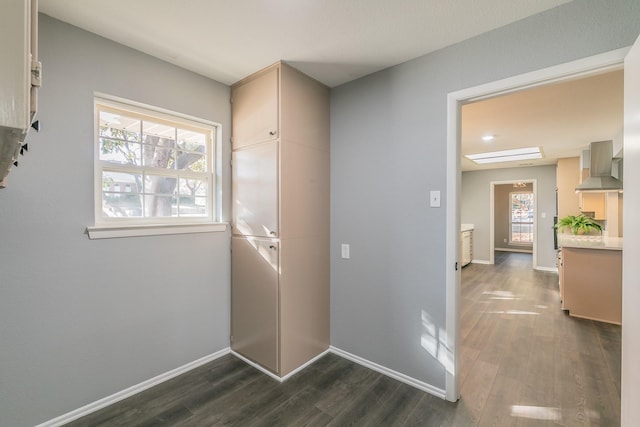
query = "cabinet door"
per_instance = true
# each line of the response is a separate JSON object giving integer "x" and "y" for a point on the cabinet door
{"x": 254, "y": 110}
{"x": 255, "y": 190}
{"x": 254, "y": 300}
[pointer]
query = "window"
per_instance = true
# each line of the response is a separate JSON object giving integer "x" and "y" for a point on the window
{"x": 152, "y": 167}
{"x": 522, "y": 212}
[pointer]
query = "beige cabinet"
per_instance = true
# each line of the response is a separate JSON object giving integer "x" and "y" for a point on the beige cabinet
{"x": 592, "y": 283}
{"x": 255, "y": 188}
{"x": 254, "y": 268}
{"x": 280, "y": 225}
{"x": 254, "y": 109}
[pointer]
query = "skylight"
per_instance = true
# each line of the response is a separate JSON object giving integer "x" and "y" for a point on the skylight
{"x": 505, "y": 155}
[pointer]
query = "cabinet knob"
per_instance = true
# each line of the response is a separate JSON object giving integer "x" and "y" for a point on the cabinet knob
{"x": 273, "y": 233}
{"x": 272, "y": 246}
{"x": 272, "y": 133}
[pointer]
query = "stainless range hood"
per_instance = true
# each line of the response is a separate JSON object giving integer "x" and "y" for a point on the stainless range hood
{"x": 600, "y": 179}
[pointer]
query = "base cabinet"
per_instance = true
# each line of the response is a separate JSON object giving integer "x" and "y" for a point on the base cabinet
{"x": 254, "y": 296}
{"x": 280, "y": 220}
{"x": 592, "y": 283}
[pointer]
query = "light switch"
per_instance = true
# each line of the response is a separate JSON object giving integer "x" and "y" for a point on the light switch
{"x": 543, "y": 215}
{"x": 345, "y": 251}
{"x": 434, "y": 199}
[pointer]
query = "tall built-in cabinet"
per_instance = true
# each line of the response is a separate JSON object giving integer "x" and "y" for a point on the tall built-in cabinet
{"x": 280, "y": 242}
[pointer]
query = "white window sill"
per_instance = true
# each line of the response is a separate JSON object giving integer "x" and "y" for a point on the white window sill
{"x": 107, "y": 232}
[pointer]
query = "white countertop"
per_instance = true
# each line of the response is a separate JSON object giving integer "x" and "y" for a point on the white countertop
{"x": 466, "y": 227}
{"x": 590, "y": 242}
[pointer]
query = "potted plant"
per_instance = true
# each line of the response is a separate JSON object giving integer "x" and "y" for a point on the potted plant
{"x": 578, "y": 224}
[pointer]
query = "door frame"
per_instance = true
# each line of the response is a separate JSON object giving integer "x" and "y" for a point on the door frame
{"x": 608, "y": 61}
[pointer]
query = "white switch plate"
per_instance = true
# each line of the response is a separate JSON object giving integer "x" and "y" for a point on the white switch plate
{"x": 543, "y": 215}
{"x": 434, "y": 199}
{"x": 345, "y": 251}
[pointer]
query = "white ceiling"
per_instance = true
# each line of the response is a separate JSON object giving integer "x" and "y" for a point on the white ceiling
{"x": 561, "y": 118}
{"x": 334, "y": 41}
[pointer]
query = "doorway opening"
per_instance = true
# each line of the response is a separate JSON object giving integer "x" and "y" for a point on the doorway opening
{"x": 581, "y": 68}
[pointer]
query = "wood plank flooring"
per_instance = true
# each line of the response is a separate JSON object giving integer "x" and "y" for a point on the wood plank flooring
{"x": 524, "y": 363}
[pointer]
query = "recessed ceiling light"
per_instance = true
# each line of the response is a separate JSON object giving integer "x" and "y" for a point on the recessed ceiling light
{"x": 488, "y": 138}
{"x": 506, "y": 155}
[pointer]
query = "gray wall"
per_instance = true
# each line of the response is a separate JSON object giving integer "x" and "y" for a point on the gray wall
{"x": 475, "y": 207}
{"x": 82, "y": 319}
{"x": 502, "y": 215}
{"x": 388, "y": 149}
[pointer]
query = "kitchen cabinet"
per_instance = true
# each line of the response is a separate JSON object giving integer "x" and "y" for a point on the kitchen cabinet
{"x": 254, "y": 109}
{"x": 254, "y": 184}
{"x": 280, "y": 220}
{"x": 466, "y": 243}
{"x": 591, "y": 279}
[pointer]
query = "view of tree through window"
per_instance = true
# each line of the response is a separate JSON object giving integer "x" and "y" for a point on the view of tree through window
{"x": 522, "y": 213}
{"x": 153, "y": 168}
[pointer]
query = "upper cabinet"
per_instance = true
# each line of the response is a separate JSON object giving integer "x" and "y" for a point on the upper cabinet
{"x": 254, "y": 110}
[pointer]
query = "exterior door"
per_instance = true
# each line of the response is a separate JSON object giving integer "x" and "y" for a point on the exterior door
{"x": 254, "y": 109}
{"x": 254, "y": 300}
{"x": 255, "y": 190}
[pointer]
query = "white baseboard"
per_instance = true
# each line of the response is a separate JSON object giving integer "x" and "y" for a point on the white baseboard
{"x": 551, "y": 269}
{"x": 128, "y": 392}
{"x": 271, "y": 374}
{"x": 420, "y": 385}
{"x": 522, "y": 251}
{"x": 480, "y": 261}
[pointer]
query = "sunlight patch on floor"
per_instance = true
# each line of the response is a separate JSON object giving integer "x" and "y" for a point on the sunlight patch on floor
{"x": 536, "y": 412}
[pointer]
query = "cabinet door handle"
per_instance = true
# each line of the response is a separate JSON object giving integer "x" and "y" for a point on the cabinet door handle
{"x": 272, "y": 233}
{"x": 272, "y": 247}
{"x": 272, "y": 133}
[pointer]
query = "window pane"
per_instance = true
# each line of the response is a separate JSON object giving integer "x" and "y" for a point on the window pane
{"x": 120, "y": 127}
{"x": 191, "y": 161}
{"x": 159, "y": 152}
{"x": 193, "y": 187}
{"x": 158, "y": 184}
{"x": 121, "y": 182}
{"x": 522, "y": 233}
{"x": 158, "y": 130}
{"x": 193, "y": 206}
{"x": 120, "y": 194}
{"x": 117, "y": 151}
{"x": 159, "y": 206}
{"x": 191, "y": 141}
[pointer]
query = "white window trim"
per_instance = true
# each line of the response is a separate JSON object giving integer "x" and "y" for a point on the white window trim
{"x": 104, "y": 229}
{"x": 153, "y": 230}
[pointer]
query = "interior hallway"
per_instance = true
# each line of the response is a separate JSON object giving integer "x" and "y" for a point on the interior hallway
{"x": 524, "y": 362}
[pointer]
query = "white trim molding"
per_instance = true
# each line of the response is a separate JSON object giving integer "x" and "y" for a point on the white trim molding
{"x": 128, "y": 392}
{"x": 152, "y": 230}
{"x": 274, "y": 376}
{"x": 549, "y": 269}
{"x": 420, "y": 385}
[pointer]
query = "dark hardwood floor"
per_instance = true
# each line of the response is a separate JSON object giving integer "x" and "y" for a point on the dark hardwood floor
{"x": 524, "y": 363}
